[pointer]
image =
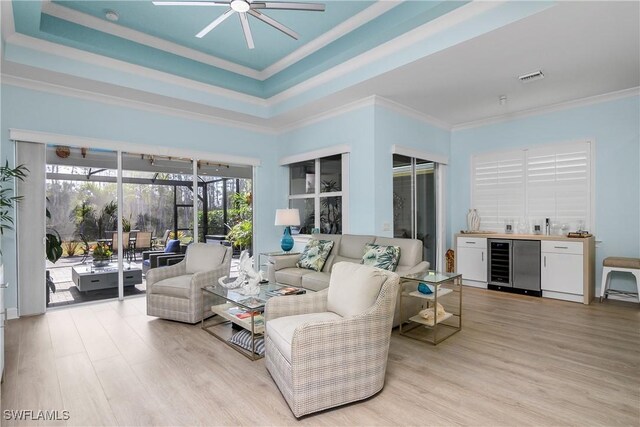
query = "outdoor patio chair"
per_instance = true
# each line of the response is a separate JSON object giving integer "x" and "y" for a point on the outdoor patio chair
{"x": 142, "y": 242}
{"x": 175, "y": 292}
{"x": 154, "y": 259}
{"x": 125, "y": 246}
{"x": 161, "y": 242}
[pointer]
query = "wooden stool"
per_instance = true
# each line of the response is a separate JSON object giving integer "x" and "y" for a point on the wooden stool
{"x": 629, "y": 265}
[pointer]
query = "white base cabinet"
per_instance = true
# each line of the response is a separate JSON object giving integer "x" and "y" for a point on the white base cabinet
{"x": 471, "y": 260}
{"x": 567, "y": 265}
{"x": 562, "y": 274}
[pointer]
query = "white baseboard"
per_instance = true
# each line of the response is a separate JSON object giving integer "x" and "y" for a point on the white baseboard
{"x": 474, "y": 284}
{"x": 562, "y": 296}
{"x": 12, "y": 313}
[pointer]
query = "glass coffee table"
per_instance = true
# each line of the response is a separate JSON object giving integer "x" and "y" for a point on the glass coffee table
{"x": 229, "y": 306}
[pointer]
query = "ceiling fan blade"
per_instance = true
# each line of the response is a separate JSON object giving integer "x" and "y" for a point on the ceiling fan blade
{"x": 215, "y": 23}
{"x": 191, "y": 3}
{"x": 244, "y": 21}
{"x": 313, "y": 7}
{"x": 275, "y": 24}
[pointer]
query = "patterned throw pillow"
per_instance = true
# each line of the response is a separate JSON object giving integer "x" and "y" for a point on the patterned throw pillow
{"x": 315, "y": 254}
{"x": 384, "y": 257}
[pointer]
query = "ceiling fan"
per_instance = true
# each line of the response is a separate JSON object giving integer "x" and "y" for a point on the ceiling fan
{"x": 244, "y": 7}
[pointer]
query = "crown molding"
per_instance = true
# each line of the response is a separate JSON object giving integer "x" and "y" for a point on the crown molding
{"x": 45, "y": 46}
{"x": 40, "y": 85}
{"x": 582, "y": 102}
{"x": 356, "y": 21}
{"x": 343, "y": 109}
{"x": 410, "y": 112}
{"x": 441, "y": 23}
{"x": 80, "y": 18}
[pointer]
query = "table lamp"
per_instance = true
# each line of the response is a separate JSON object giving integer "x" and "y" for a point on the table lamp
{"x": 287, "y": 217}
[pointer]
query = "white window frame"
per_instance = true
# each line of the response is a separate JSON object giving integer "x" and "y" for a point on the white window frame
{"x": 317, "y": 195}
{"x": 590, "y": 217}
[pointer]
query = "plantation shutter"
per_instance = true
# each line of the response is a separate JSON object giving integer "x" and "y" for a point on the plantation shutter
{"x": 498, "y": 188}
{"x": 559, "y": 184}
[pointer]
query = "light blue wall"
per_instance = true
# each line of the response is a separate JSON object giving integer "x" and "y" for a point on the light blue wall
{"x": 39, "y": 111}
{"x": 354, "y": 129}
{"x": 615, "y": 128}
{"x": 392, "y": 128}
{"x": 370, "y": 132}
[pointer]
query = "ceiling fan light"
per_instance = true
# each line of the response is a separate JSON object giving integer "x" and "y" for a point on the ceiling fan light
{"x": 240, "y": 6}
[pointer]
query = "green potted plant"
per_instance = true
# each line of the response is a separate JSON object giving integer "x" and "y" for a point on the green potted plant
{"x": 53, "y": 252}
{"x": 7, "y": 200}
{"x": 101, "y": 255}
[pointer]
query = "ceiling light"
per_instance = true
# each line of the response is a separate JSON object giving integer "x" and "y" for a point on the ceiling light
{"x": 111, "y": 15}
{"x": 530, "y": 77}
{"x": 239, "y": 6}
{"x": 502, "y": 99}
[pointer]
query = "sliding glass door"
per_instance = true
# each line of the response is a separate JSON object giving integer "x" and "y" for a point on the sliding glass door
{"x": 110, "y": 207}
{"x": 414, "y": 203}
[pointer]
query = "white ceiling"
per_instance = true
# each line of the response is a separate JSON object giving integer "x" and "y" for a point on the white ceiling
{"x": 584, "y": 48}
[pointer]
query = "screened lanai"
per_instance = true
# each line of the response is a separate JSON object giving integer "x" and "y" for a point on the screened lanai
{"x": 157, "y": 202}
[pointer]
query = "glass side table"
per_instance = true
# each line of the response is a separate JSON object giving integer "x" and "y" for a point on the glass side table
{"x": 446, "y": 290}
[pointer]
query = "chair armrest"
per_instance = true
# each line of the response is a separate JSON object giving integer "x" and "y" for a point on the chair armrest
{"x": 157, "y": 274}
{"x": 283, "y": 261}
{"x": 209, "y": 277}
{"x": 168, "y": 259}
{"x": 147, "y": 254}
{"x": 279, "y": 262}
{"x": 290, "y": 305}
{"x": 422, "y": 267}
{"x": 348, "y": 336}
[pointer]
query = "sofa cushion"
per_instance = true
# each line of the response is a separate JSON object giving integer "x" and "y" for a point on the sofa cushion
{"x": 410, "y": 250}
{"x": 316, "y": 281}
{"x": 315, "y": 254}
{"x": 178, "y": 286}
{"x": 353, "y": 288}
{"x": 336, "y": 238}
{"x": 281, "y": 330}
{"x": 204, "y": 257}
{"x": 291, "y": 276}
{"x": 384, "y": 257}
{"x": 351, "y": 245}
{"x": 339, "y": 258}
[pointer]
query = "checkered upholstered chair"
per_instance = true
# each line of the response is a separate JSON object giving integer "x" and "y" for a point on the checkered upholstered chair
{"x": 175, "y": 293}
{"x": 330, "y": 348}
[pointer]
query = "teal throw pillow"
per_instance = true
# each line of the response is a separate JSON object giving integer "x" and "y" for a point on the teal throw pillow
{"x": 384, "y": 257}
{"x": 315, "y": 254}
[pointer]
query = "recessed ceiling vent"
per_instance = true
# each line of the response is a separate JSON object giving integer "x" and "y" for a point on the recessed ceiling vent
{"x": 531, "y": 77}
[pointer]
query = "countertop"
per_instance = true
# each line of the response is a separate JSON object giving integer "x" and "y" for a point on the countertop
{"x": 524, "y": 236}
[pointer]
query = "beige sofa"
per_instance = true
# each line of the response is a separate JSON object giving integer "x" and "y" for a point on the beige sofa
{"x": 346, "y": 247}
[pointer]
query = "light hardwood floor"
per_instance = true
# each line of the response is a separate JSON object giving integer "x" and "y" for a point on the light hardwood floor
{"x": 517, "y": 361}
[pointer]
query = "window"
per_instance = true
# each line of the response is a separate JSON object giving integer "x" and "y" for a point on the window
{"x": 527, "y": 186}
{"x": 315, "y": 189}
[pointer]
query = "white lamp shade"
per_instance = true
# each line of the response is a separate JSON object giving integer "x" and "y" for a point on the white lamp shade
{"x": 287, "y": 217}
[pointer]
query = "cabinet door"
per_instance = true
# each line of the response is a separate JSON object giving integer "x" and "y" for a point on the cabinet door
{"x": 472, "y": 264}
{"x": 561, "y": 273}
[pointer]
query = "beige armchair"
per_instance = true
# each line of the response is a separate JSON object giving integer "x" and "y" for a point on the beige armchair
{"x": 174, "y": 292}
{"x": 330, "y": 348}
